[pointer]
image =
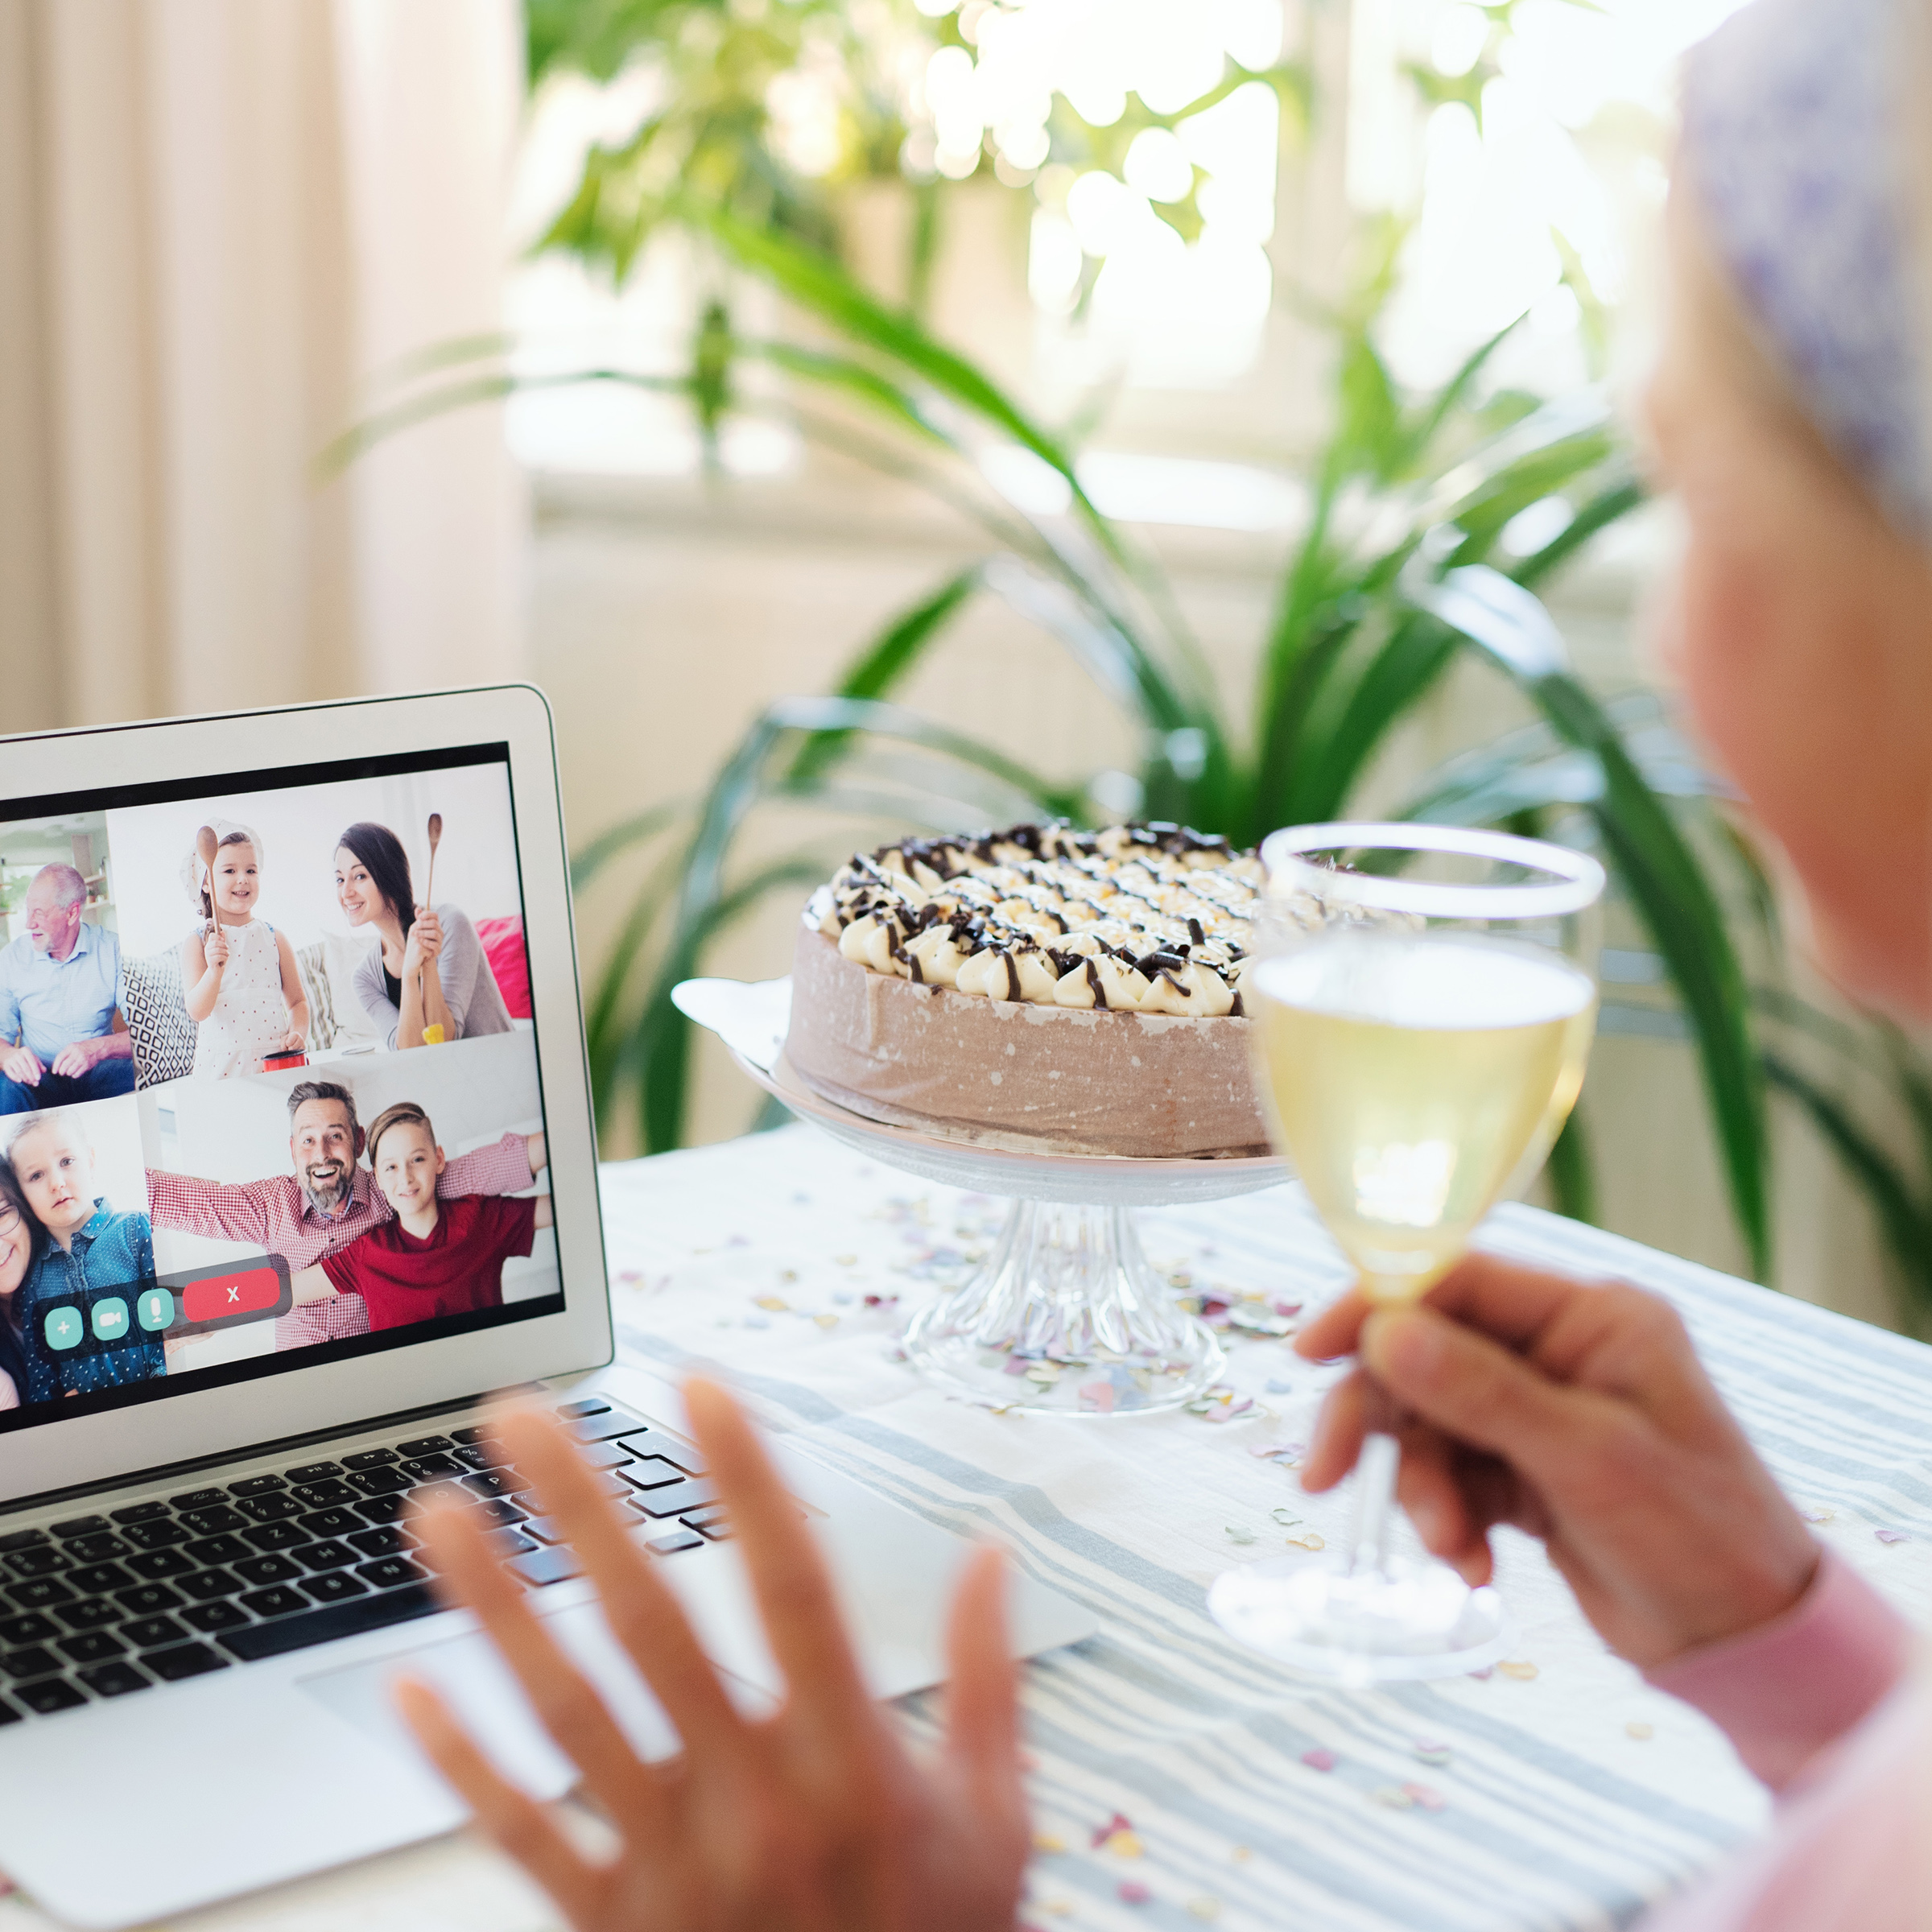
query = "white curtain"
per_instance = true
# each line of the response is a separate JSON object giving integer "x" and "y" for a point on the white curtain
{"x": 221, "y": 222}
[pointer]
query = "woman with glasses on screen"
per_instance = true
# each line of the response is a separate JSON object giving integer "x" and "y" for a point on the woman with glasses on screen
{"x": 1792, "y": 412}
{"x": 18, "y": 1232}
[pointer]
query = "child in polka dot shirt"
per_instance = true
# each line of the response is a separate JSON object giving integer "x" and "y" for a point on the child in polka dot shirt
{"x": 238, "y": 975}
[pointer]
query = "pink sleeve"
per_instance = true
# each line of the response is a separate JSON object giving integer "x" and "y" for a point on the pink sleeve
{"x": 1848, "y": 1854}
{"x": 1783, "y": 1692}
{"x": 503, "y": 1169}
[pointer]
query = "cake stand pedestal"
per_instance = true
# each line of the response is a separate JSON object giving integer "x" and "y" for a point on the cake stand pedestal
{"x": 1066, "y": 1316}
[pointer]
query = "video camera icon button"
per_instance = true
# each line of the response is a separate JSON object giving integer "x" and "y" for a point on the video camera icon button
{"x": 109, "y": 1318}
{"x": 64, "y": 1328}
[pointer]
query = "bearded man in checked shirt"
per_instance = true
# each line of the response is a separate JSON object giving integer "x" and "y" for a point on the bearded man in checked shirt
{"x": 328, "y": 1202}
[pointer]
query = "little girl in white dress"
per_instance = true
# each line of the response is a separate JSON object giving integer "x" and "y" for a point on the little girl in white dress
{"x": 238, "y": 976}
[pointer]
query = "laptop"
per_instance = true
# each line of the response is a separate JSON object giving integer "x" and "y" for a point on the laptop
{"x": 243, "y": 1338}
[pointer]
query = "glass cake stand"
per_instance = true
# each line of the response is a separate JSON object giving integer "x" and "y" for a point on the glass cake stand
{"x": 1066, "y": 1316}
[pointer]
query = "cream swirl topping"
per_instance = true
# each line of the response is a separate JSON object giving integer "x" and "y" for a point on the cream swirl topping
{"x": 1148, "y": 918}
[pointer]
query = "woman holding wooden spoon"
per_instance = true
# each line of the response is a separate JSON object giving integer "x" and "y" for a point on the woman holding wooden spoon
{"x": 431, "y": 969}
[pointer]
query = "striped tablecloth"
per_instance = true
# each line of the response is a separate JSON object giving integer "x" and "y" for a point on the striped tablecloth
{"x": 1181, "y": 1780}
{"x": 1557, "y": 1791}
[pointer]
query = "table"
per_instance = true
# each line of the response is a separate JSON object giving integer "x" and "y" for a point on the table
{"x": 1557, "y": 1791}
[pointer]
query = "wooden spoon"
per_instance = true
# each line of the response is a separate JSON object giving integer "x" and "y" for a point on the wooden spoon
{"x": 429, "y": 884}
{"x": 206, "y": 845}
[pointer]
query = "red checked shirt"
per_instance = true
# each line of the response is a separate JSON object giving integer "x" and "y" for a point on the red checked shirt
{"x": 275, "y": 1215}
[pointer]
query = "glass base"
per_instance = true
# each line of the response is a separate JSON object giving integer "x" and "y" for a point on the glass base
{"x": 1066, "y": 1317}
{"x": 1363, "y": 1624}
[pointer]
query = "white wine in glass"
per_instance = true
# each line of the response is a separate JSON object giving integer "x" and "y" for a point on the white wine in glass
{"x": 1424, "y": 998}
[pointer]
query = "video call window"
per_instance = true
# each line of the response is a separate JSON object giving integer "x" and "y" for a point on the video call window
{"x": 269, "y": 1077}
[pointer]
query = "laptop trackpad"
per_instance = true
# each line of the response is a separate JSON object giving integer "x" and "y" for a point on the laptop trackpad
{"x": 479, "y": 1686}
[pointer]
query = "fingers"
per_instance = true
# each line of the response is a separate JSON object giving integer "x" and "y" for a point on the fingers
{"x": 565, "y": 1701}
{"x": 1339, "y": 1430}
{"x": 1477, "y": 1390}
{"x": 796, "y": 1601}
{"x": 643, "y": 1615}
{"x": 514, "y": 1819}
{"x": 982, "y": 1703}
{"x": 1429, "y": 1488}
{"x": 1333, "y": 1331}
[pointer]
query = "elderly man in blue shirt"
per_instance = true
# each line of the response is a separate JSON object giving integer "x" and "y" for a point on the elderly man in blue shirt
{"x": 62, "y": 1039}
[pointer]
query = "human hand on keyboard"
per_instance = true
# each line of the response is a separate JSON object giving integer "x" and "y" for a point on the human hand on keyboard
{"x": 817, "y": 1816}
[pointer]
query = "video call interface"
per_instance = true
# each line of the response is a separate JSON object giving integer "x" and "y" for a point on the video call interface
{"x": 269, "y": 1081}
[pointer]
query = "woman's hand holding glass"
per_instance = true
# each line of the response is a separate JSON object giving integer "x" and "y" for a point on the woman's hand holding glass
{"x": 815, "y": 1816}
{"x": 1579, "y": 1413}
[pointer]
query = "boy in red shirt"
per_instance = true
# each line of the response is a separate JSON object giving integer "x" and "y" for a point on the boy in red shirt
{"x": 437, "y": 1258}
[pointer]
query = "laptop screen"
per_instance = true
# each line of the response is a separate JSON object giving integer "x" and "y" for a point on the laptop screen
{"x": 271, "y": 1089}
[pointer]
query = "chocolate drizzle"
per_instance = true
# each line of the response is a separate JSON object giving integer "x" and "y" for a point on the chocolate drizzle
{"x": 1171, "y": 906}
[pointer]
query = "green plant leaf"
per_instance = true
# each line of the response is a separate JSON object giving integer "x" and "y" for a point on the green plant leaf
{"x": 817, "y": 283}
{"x": 1659, "y": 871}
{"x": 588, "y": 861}
{"x": 1572, "y": 1172}
{"x": 891, "y": 657}
{"x": 1903, "y": 1218}
{"x": 657, "y": 1053}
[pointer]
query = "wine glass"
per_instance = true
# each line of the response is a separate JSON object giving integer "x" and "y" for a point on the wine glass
{"x": 1423, "y": 998}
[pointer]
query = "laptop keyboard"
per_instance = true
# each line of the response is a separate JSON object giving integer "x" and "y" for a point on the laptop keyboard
{"x": 157, "y": 1591}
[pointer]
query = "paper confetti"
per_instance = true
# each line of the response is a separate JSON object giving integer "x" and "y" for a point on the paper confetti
{"x": 1429, "y": 1753}
{"x": 1396, "y": 1796}
{"x": 1818, "y": 1516}
{"x": 1102, "y": 1833}
{"x": 1133, "y": 1893}
{"x": 777, "y": 1304}
{"x": 825, "y": 1321}
{"x": 1097, "y": 1398}
{"x": 1047, "y": 1842}
{"x": 1310, "y": 1541}
{"x": 1426, "y": 1796}
{"x": 1282, "y": 1517}
{"x": 1204, "y": 1908}
{"x": 1639, "y": 1730}
{"x": 1241, "y": 1855}
{"x": 1891, "y": 1536}
{"x": 846, "y": 1261}
{"x": 1237, "y": 1534}
{"x": 1123, "y": 1844}
{"x": 1517, "y": 1668}
{"x": 1319, "y": 1759}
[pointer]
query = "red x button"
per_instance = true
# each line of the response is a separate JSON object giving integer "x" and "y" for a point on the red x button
{"x": 244, "y": 1292}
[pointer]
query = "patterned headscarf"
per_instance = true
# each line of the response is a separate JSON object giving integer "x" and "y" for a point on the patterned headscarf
{"x": 1800, "y": 146}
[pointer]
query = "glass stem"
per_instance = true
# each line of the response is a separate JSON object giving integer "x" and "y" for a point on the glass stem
{"x": 1375, "y": 1473}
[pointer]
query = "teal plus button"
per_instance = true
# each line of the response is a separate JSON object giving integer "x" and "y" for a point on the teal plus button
{"x": 155, "y": 1310}
{"x": 64, "y": 1328}
{"x": 110, "y": 1319}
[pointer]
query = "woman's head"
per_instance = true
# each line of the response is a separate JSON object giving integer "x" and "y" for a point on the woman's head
{"x": 372, "y": 876}
{"x": 1802, "y": 624}
{"x": 17, "y": 1228}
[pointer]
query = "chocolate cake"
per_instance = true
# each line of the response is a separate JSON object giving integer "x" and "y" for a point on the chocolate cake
{"x": 1039, "y": 988}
